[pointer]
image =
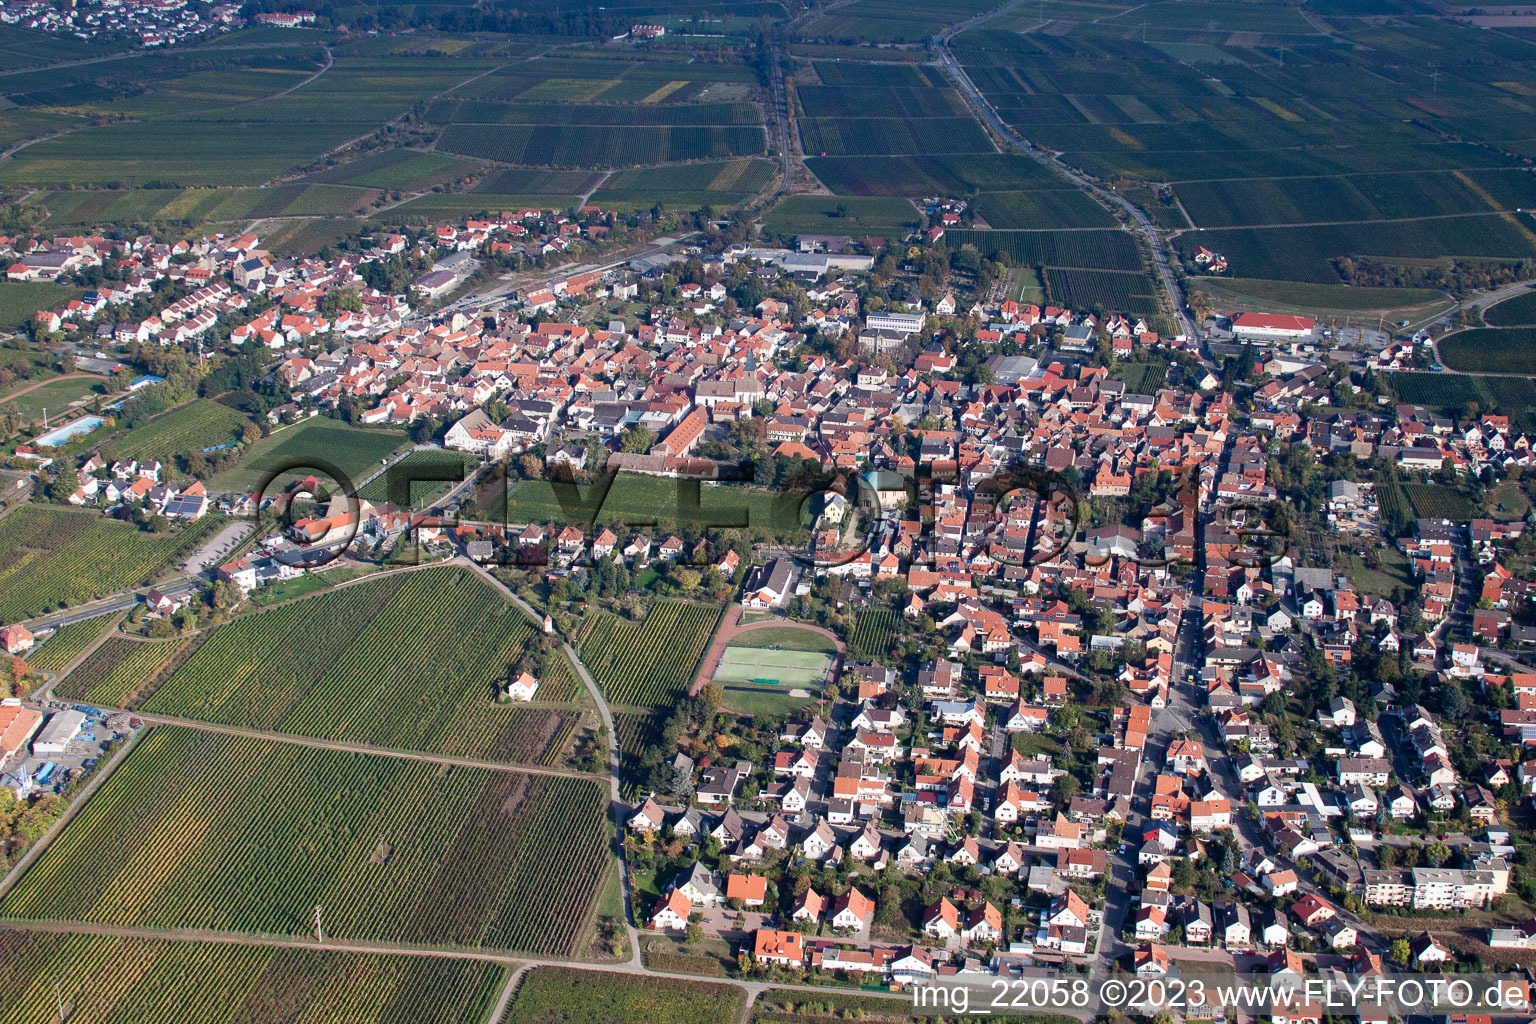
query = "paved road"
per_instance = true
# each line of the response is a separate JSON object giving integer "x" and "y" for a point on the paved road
{"x": 1482, "y": 301}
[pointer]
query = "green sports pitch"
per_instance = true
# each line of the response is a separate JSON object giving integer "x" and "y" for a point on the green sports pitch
{"x": 772, "y": 667}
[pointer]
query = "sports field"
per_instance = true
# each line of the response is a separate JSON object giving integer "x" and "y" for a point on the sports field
{"x": 797, "y": 669}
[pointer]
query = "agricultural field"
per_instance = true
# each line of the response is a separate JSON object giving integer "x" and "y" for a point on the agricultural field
{"x": 1042, "y": 208}
{"x": 198, "y": 205}
{"x": 853, "y": 215}
{"x": 1435, "y": 501}
{"x": 1490, "y": 350}
{"x": 190, "y": 428}
{"x": 652, "y": 661}
{"x": 410, "y": 661}
{"x": 51, "y": 557}
{"x": 67, "y": 643}
{"x": 104, "y": 979}
{"x": 553, "y": 145}
{"x": 117, "y": 670}
{"x": 528, "y": 181}
{"x": 635, "y": 732}
{"x": 311, "y": 446}
{"x": 919, "y": 175}
{"x": 1141, "y": 378}
{"x": 20, "y": 300}
{"x": 403, "y": 169}
{"x": 892, "y": 136}
{"x": 1441, "y": 391}
{"x": 1101, "y": 250}
{"x": 419, "y": 479}
{"x": 557, "y": 995}
{"x": 1258, "y": 117}
{"x": 1305, "y": 254}
{"x": 1267, "y": 201}
{"x": 875, "y": 631}
{"x": 1519, "y": 311}
{"x": 1108, "y": 291}
{"x": 1287, "y": 296}
{"x": 686, "y": 185}
{"x": 205, "y": 830}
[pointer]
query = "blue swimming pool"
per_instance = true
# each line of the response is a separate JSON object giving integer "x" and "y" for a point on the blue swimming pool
{"x": 68, "y": 432}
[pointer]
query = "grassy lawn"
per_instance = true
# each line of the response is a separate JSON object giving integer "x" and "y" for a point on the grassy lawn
{"x": 308, "y": 447}
{"x": 1508, "y": 501}
{"x": 20, "y": 300}
{"x": 286, "y": 590}
{"x": 788, "y": 638}
{"x": 55, "y": 396}
{"x": 759, "y": 700}
{"x": 1394, "y": 572}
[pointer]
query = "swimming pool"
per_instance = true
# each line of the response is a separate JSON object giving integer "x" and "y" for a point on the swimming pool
{"x": 63, "y": 435}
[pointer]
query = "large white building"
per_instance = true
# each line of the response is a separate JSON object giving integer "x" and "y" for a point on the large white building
{"x": 899, "y": 323}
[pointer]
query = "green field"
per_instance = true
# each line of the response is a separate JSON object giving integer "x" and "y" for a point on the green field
{"x": 67, "y": 643}
{"x": 1042, "y": 208}
{"x": 1519, "y": 311}
{"x": 1141, "y": 378}
{"x": 51, "y": 557}
{"x": 920, "y": 175}
{"x": 54, "y": 399}
{"x": 559, "y": 995}
{"x": 789, "y": 638}
{"x": 1104, "y": 250}
{"x": 854, "y": 215}
{"x": 105, "y": 980}
{"x": 892, "y": 136}
{"x": 1305, "y": 254}
{"x": 117, "y": 669}
{"x": 89, "y": 208}
{"x": 182, "y": 431}
{"x": 410, "y": 661}
{"x": 20, "y": 300}
{"x": 793, "y": 669}
{"x": 1279, "y": 296}
{"x": 206, "y": 830}
{"x": 650, "y": 662}
{"x": 1434, "y": 501}
{"x": 397, "y": 169}
{"x": 554, "y": 145}
{"x": 311, "y": 446}
{"x": 1108, "y": 291}
{"x": 1491, "y": 350}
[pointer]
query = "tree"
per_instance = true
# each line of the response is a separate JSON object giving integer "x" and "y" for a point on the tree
{"x": 638, "y": 440}
{"x": 1402, "y": 952}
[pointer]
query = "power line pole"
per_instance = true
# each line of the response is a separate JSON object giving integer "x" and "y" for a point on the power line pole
{"x": 60, "y": 997}
{"x": 319, "y": 930}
